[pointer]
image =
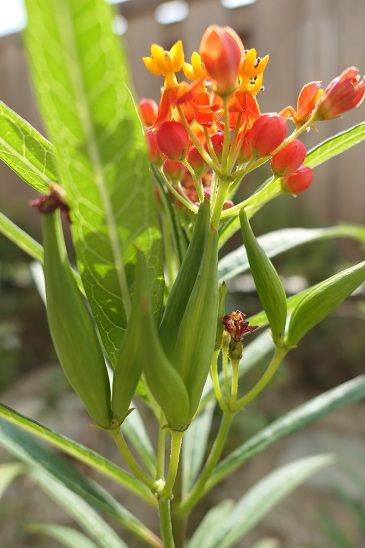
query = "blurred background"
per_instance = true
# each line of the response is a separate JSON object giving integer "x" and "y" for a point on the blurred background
{"x": 307, "y": 40}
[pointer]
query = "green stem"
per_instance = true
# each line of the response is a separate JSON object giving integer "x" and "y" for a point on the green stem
{"x": 225, "y": 361}
{"x": 209, "y": 143}
{"x": 203, "y": 153}
{"x": 129, "y": 458}
{"x": 197, "y": 182}
{"x": 160, "y": 462}
{"x": 276, "y": 360}
{"x": 180, "y": 197}
{"x": 234, "y": 383}
{"x": 222, "y": 188}
{"x": 226, "y": 136}
{"x": 176, "y": 442}
{"x": 165, "y": 523}
{"x": 263, "y": 195}
{"x": 212, "y": 460}
{"x": 215, "y": 379}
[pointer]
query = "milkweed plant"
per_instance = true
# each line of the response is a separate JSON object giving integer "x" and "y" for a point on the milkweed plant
{"x": 149, "y": 192}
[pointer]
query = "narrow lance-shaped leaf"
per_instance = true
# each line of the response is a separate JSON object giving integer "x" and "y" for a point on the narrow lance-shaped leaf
{"x": 335, "y": 145}
{"x": 77, "y": 451}
{"x": 82, "y": 85}
{"x": 26, "y": 151}
{"x": 79, "y": 510}
{"x": 23, "y": 447}
{"x": 321, "y": 300}
{"x": 268, "y": 492}
{"x": 268, "y": 284}
{"x": 9, "y": 471}
{"x": 67, "y": 537}
{"x": 279, "y": 241}
{"x": 20, "y": 238}
{"x": 304, "y": 415}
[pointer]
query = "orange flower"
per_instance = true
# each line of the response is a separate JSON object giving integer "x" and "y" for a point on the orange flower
{"x": 307, "y": 99}
{"x": 148, "y": 110}
{"x": 221, "y": 51}
{"x": 345, "y": 92}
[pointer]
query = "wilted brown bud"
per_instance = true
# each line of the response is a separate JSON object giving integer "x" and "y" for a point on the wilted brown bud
{"x": 237, "y": 326}
{"x": 55, "y": 199}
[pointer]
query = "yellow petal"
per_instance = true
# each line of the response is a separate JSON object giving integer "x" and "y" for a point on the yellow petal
{"x": 188, "y": 71}
{"x": 177, "y": 56}
{"x": 152, "y": 66}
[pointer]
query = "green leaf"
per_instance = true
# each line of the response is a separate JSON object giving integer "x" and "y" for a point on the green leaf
{"x": 261, "y": 498}
{"x": 82, "y": 86}
{"x": 69, "y": 538}
{"x": 76, "y": 507}
{"x": 26, "y": 151}
{"x": 8, "y": 473}
{"x": 210, "y": 527}
{"x": 195, "y": 444}
{"x": 20, "y": 238}
{"x": 25, "y": 448}
{"x": 77, "y": 451}
{"x": 321, "y": 300}
{"x": 304, "y": 415}
{"x": 268, "y": 284}
{"x": 278, "y": 241}
{"x": 136, "y": 433}
{"x": 335, "y": 145}
{"x": 253, "y": 354}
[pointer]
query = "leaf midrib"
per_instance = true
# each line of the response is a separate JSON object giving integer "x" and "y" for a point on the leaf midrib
{"x": 64, "y": 23}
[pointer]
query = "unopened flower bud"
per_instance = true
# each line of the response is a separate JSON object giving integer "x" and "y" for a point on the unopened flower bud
{"x": 221, "y": 50}
{"x": 156, "y": 157}
{"x": 173, "y": 170}
{"x": 196, "y": 161}
{"x": 173, "y": 140}
{"x": 345, "y": 92}
{"x": 307, "y": 99}
{"x": 217, "y": 143}
{"x": 267, "y": 133}
{"x": 148, "y": 110}
{"x": 298, "y": 181}
{"x": 289, "y": 159}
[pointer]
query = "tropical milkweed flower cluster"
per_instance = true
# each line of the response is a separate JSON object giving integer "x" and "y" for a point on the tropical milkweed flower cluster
{"x": 208, "y": 131}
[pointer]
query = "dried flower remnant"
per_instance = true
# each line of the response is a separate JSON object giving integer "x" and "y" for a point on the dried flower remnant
{"x": 237, "y": 325}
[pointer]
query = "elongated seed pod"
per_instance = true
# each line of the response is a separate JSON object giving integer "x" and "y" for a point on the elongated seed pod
{"x": 198, "y": 328}
{"x": 268, "y": 284}
{"x": 72, "y": 328}
{"x": 184, "y": 283}
{"x": 163, "y": 380}
{"x": 128, "y": 368}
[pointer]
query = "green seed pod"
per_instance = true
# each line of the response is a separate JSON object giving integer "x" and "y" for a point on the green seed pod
{"x": 128, "y": 368}
{"x": 184, "y": 283}
{"x": 268, "y": 284}
{"x": 72, "y": 328}
{"x": 163, "y": 380}
{"x": 221, "y": 313}
{"x": 198, "y": 328}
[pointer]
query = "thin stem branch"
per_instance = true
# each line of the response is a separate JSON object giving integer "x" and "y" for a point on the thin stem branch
{"x": 212, "y": 460}
{"x": 160, "y": 462}
{"x": 130, "y": 460}
{"x": 176, "y": 442}
{"x": 180, "y": 197}
{"x": 215, "y": 379}
{"x": 226, "y": 140}
{"x": 234, "y": 383}
{"x": 274, "y": 364}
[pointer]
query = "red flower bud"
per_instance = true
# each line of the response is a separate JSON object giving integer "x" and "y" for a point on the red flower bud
{"x": 196, "y": 161}
{"x": 221, "y": 50}
{"x": 298, "y": 181}
{"x": 217, "y": 143}
{"x": 173, "y": 170}
{"x": 246, "y": 150}
{"x": 307, "y": 99}
{"x": 267, "y": 133}
{"x": 156, "y": 157}
{"x": 173, "y": 140}
{"x": 289, "y": 158}
{"x": 345, "y": 92}
{"x": 148, "y": 110}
